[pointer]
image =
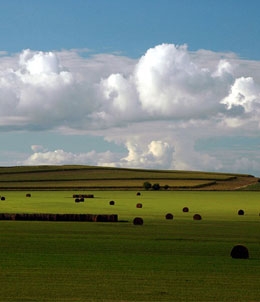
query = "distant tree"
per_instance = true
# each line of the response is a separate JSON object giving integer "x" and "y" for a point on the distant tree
{"x": 147, "y": 185}
{"x": 156, "y": 187}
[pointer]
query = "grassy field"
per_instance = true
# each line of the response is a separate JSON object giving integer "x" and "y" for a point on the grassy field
{"x": 162, "y": 260}
{"x": 88, "y": 177}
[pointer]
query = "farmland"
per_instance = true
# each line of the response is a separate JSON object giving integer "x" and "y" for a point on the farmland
{"x": 161, "y": 260}
{"x": 98, "y": 178}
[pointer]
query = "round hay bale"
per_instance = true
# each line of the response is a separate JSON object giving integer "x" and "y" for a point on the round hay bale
{"x": 28, "y": 195}
{"x": 241, "y": 212}
{"x": 185, "y": 210}
{"x": 77, "y": 200}
{"x": 112, "y": 203}
{"x": 169, "y": 216}
{"x": 2, "y": 198}
{"x": 139, "y": 205}
{"x": 197, "y": 217}
{"x": 239, "y": 252}
{"x": 138, "y": 194}
{"x": 138, "y": 221}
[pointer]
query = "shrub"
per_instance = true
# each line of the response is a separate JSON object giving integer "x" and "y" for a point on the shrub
{"x": 239, "y": 252}
{"x": 156, "y": 187}
{"x": 2, "y": 198}
{"x": 139, "y": 205}
{"x": 112, "y": 202}
{"x": 185, "y": 210}
{"x": 147, "y": 185}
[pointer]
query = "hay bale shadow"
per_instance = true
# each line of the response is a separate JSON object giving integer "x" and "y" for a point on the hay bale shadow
{"x": 239, "y": 252}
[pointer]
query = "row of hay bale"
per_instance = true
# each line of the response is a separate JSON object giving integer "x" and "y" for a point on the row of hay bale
{"x": 168, "y": 216}
{"x": 59, "y": 217}
{"x": 239, "y": 251}
{"x": 83, "y": 196}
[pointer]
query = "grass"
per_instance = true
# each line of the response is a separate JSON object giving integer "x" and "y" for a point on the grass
{"x": 120, "y": 262}
{"x": 65, "y": 177}
{"x": 163, "y": 260}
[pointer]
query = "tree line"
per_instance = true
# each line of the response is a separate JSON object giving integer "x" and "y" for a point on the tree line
{"x": 156, "y": 186}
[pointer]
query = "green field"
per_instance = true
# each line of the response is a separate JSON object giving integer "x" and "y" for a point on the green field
{"x": 162, "y": 260}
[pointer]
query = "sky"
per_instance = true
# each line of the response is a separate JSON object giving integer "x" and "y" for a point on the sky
{"x": 167, "y": 84}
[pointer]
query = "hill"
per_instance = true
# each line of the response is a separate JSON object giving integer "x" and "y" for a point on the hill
{"x": 72, "y": 177}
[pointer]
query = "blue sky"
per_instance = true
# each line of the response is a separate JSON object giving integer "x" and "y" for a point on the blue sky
{"x": 149, "y": 84}
{"x": 130, "y": 27}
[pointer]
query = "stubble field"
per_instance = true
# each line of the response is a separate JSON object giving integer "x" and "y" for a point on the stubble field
{"x": 161, "y": 260}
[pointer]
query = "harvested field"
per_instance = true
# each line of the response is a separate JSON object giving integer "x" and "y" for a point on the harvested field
{"x": 108, "y": 261}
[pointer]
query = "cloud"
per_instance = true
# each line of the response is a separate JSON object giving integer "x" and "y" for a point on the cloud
{"x": 244, "y": 93}
{"x": 156, "y": 107}
{"x": 52, "y": 89}
{"x": 157, "y": 154}
{"x": 37, "y": 148}
{"x": 60, "y": 157}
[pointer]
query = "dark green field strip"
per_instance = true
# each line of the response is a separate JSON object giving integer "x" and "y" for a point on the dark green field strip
{"x": 91, "y": 174}
{"x": 102, "y": 184}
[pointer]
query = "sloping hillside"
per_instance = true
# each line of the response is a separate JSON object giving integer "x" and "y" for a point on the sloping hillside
{"x": 90, "y": 177}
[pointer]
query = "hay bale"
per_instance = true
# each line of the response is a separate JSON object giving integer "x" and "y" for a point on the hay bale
{"x": 77, "y": 200}
{"x": 2, "y": 216}
{"x": 138, "y": 194}
{"x": 2, "y": 198}
{"x": 169, "y": 216}
{"x": 197, "y": 217}
{"x": 112, "y": 203}
{"x": 113, "y": 218}
{"x": 239, "y": 252}
{"x": 28, "y": 195}
{"x": 185, "y": 210}
{"x": 139, "y": 205}
{"x": 241, "y": 212}
{"x": 101, "y": 218}
{"x": 81, "y": 199}
{"x": 138, "y": 221}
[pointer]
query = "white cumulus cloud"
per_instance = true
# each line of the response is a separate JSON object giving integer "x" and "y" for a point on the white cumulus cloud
{"x": 156, "y": 106}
